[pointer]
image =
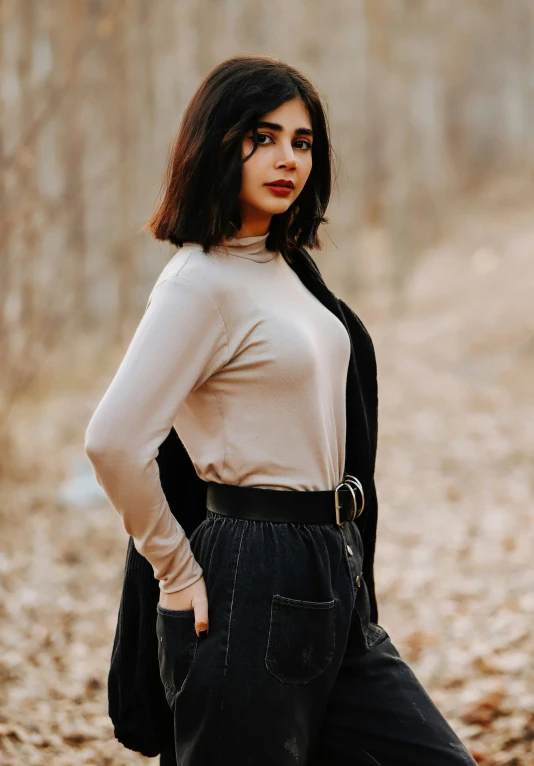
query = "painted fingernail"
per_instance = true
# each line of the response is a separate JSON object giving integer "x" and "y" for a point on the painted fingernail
{"x": 202, "y": 633}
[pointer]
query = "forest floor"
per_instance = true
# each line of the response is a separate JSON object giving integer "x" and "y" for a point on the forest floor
{"x": 455, "y": 483}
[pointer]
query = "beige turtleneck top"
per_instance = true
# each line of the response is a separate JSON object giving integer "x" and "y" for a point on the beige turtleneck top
{"x": 248, "y": 366}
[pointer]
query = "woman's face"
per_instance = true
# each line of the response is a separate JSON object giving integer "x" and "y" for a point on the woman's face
{"x": 284, "y": 154}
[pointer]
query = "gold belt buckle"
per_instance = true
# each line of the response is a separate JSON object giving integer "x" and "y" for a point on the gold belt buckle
{"x": 347, "y": 482}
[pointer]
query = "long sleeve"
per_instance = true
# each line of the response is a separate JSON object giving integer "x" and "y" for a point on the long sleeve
{"x": 179, "y": 343}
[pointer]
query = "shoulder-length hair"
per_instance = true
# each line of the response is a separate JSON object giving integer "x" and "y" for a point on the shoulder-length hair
{"x": 199, "y": 201}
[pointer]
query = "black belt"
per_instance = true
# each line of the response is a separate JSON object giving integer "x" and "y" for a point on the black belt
{"x": 331, "y": 506}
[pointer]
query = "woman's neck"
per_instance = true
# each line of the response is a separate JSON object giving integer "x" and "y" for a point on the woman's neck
{"x": 252, "y": 226}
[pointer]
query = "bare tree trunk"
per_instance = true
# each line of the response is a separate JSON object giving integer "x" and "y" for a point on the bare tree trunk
{"x": 5, "y": 279}
{"x": 5, "y": 228}
{"x": 74, "y": 201}
{"x": 30, "y": 251}
{"x": 124, "y": 254}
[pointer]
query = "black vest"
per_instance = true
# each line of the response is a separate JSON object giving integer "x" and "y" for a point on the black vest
{"x": 137, "y": 706}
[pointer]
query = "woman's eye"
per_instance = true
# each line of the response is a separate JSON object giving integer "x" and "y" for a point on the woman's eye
{"x": 302, "y": 143}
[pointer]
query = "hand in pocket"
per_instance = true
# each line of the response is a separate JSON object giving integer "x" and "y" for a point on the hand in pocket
{"x": 194, "y": 597}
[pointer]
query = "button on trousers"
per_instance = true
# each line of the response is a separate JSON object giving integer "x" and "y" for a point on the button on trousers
{"x": 292, "y": 671}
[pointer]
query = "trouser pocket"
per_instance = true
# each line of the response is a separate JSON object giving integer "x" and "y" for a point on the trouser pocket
{"x": 302, "y": 638}
{"x": 177, "y": 646}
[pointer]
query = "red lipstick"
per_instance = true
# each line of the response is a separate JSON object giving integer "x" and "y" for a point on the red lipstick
{"x": 281, "y": 187}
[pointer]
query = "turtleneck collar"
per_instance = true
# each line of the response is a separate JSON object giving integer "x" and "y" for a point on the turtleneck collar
{"x": 252, "y": 248}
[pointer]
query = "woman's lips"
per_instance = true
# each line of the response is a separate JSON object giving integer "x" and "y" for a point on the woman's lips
{"x": 280, "y": 191}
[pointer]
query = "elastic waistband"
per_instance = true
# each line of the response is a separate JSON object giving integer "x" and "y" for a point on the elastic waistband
{"x": 333, "y": 506}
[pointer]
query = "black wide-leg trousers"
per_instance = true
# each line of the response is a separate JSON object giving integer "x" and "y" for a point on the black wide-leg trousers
{"x": 292, "y": 671}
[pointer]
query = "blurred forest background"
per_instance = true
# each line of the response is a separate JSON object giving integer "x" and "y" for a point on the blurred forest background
{"x": 431, "y": 105}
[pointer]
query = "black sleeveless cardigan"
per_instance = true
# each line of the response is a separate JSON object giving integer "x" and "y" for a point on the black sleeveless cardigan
{"x": 137, "y": 706}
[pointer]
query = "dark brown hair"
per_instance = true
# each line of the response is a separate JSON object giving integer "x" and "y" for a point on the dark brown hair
{"x": 200, "y": 194}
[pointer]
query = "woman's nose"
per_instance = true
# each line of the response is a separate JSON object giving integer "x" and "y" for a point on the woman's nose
{"x": 287, "y": 159}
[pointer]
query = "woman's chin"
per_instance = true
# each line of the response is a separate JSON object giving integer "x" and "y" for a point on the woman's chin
{"x": 275, "y": 206}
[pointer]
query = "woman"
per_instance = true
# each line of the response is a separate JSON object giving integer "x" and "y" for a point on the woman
{"x": 251, "y": 369}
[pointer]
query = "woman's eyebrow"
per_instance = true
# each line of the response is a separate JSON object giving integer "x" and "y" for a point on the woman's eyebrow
{"x": 277, "y": 126}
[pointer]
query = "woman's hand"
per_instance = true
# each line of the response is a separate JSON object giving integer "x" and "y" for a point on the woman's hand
{"x": 192, "y": 597}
